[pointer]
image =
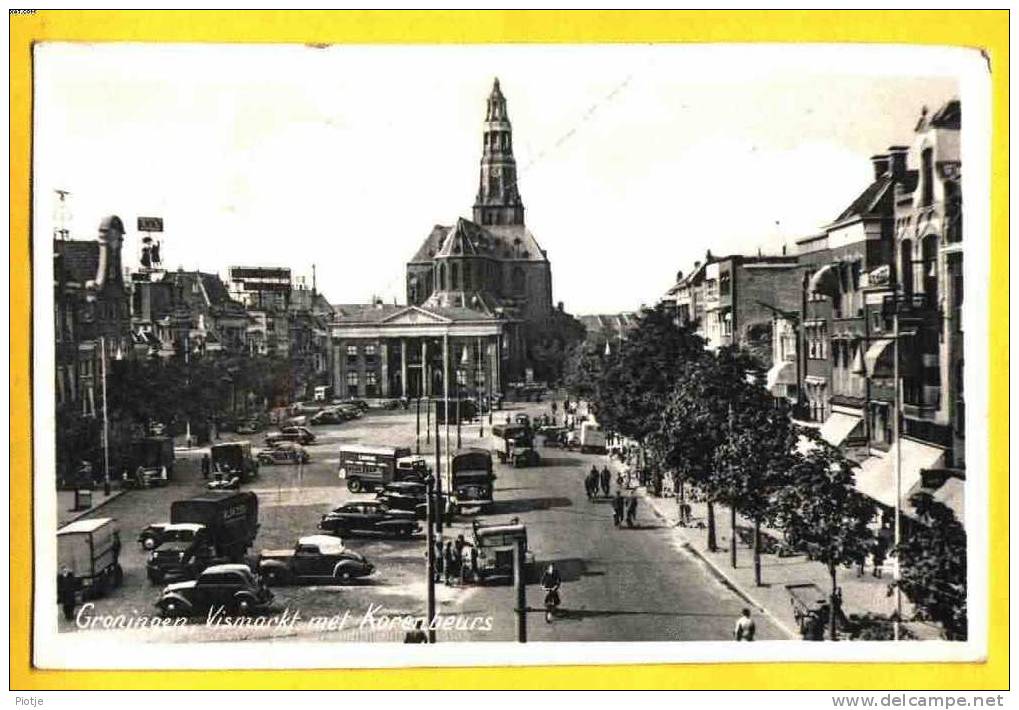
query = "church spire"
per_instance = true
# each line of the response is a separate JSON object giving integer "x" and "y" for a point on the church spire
{"x": 498, "y": 201}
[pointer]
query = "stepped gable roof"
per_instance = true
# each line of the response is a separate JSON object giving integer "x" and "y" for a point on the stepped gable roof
{"x": 467, "y": 238}
{"x": 867, "y": 200}
{"x": 79, "y": 259}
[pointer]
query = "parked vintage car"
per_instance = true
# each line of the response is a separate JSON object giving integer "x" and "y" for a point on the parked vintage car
{"x": 234, "y": 587}
{"x": 298, "y": 434}
{"x": 405, "y": 495}
{"x": 328, "y": 416}
{"x": 250, "y": 426}
{"x": 285, "y": 452}
{"x": 152, "y": 535}
{"x": 524, "y": 456}
{"x": 315, "y": 558}
{"x": 368, "y": 516}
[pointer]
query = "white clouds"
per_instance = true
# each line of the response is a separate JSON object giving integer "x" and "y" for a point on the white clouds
{"x": 633, "y": 160}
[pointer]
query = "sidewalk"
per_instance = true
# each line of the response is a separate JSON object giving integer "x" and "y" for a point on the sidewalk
{"x": 65, "y": 502}
{"x": 859, "y": 594}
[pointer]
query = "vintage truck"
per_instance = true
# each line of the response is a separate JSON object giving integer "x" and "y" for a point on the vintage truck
{"x": 472, "y": 482}
{"x": 496, "y": 544}
{"x": 206, "y": 530}
{"x": 233, "y": 459}
{"x": 90, "y": 549}
{"x": 369, "y": 468}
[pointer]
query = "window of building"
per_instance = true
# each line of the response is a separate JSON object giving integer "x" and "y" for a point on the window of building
{"x": 351, "y": 351}
{"x": 468, "y": 281}
{"x": 370, "y": 350}
{"x": 926, "y": 177}
{"x": 519, "y": 280}
{"x": 442, "y": 276}
{"x": 929, "y": 248}
{"x": 724, "y": 284}
{"x": 455, "y": 276}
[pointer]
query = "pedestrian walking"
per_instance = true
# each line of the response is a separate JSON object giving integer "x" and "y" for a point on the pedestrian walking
{"x": 631, "y": 510}
{"x": 458, "y": 557}
{"x": 439, "y": 566}
{"x": 617, "y": 508}
{"x": 745, "y": 627}
{"x": 880, "y": 549}
{"x": 67, "y": 592}
{"x": 472, "y": 555}
{"x": 591, "y": 482}
{"x": 206, "y": 466}
{"x": 606, "y": 479}
{"x": 448, "y": 562}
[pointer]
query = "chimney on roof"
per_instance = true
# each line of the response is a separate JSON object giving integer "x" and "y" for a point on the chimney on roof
{"x": 881, "y": 165}
{"x": 696, "y": 265}
{"x": 898, "y": 161}
{"x": 784, "y": 249}
{"x": 679, "y": 276}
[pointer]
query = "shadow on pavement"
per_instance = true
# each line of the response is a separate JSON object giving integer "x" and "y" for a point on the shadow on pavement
{"x": 567, "y": 614}
{"x": 527, "y": 505}
{"x": 550, "y": 462}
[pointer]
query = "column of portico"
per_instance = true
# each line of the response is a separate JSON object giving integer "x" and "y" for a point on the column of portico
{"x": 384, "y": 354}
{"x": 403, "y": 367}
{"x": 426, "y": 373}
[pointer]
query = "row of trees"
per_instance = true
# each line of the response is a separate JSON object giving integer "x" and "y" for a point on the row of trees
{"x": 705, "y": 417}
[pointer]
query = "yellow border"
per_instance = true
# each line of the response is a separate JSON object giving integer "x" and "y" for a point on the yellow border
{"x": 985, "y": 29}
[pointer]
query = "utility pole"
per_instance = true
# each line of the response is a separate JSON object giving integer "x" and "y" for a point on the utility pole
{"x": 478, "y": 387}
{"x": 430, "y": 555}
{"x": 417, "y": 435}
{"x": 106, "y": 423}
{"x": 445, "y": 394}
{"x": 897, "y": 442}
{"x": 519, "y": 582}
{"x": 438, "y": 478}
{"x": 732, "y": 508}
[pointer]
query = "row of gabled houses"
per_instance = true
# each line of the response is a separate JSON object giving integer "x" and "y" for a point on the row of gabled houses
{"x": 885, "y": 276}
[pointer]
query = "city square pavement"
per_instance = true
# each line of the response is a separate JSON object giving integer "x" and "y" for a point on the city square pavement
{"x": 639, "y": 584}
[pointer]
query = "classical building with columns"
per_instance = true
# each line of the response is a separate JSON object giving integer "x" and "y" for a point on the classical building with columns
{"x": 481, "y": 288}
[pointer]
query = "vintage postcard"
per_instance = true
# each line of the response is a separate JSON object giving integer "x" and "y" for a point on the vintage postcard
{"x": 379, "y": 355}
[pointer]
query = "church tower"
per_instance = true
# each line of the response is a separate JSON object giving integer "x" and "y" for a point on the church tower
{"x": 498, "y": 201}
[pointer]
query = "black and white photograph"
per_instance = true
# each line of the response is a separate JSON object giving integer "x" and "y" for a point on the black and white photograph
{"x": 423, "y": 355}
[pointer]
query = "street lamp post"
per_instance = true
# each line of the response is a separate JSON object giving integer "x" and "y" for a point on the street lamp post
{"x": 477, "y": 386}
{"x": 417, "y": 435}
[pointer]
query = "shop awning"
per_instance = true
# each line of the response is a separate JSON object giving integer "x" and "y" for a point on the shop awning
{"x": 839, "y": 427}
{"x": 875, "y": 477}
{"x": 826, "y": 281}
{"x": 781, "y": 374}
{"x": 878, "y": 360}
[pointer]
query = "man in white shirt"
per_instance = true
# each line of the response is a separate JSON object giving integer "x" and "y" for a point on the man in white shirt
{"x": 745, "y": 627}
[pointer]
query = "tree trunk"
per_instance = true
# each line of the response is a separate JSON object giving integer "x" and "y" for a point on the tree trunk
{"x": 832, "y": 631}
{"x": 757, "y": 552}
{"x": 733, "y": 536}
{"x": 712, "y": 542}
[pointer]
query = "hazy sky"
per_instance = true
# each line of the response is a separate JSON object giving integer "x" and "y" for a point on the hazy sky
{"x": 633, "y": 160}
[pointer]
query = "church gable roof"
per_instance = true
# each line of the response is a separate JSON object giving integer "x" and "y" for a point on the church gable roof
{"x": 430, "y": 247}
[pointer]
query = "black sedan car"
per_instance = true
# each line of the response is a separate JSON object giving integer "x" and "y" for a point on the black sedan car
{"x": 297, "y": 434}
{"x": 405, "y": 495}
{"x": 283, "y": 453}
{"x": 233, "y": 587}
{"x": 369, "y": 516}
